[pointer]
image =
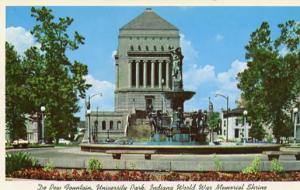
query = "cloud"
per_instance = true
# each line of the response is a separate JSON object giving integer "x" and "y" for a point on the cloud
{"x": 191, "y": 55}
{"x": 197, "y": 76}
{"x": 106, "y": 88}
{"x": 105, "y": 102}
{"x": 20, "y": 38}
{"x": 227, "y": 81}
{"x": 113, "y": 53}
{"x": 219, "y": 37}
{"x": 205, "y": 81}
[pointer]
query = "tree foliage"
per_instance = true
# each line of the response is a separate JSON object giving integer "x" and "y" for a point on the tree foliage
{"x": 271, "y": 82}
{"x": 257, "y": 131}
{"x": 214, "y": 120}
{"x": 50, "y": 78}
{"x": 14, "y": 105}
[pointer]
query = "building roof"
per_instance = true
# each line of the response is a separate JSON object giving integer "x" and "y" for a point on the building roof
{"x": 148, "y": 20}
{"x": 233, "y": 112}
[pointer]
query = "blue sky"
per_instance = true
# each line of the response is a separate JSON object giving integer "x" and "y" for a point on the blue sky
{"x": 212, "y": 39}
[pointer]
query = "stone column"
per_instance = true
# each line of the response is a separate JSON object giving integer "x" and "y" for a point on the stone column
{"x": 159, "y": 73}
{"x": 145, "y": 74}
{"x": 129, "y": 73}
{"x": 137, "y": 74}
{"x": 167, "y": 74}
{"x": 152, "y": 74}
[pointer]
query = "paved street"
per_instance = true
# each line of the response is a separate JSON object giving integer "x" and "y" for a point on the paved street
{"x": 72, "y": 157}
{"x": 74, "y": 152}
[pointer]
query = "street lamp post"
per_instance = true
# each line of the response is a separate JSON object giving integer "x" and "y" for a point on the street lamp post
{"x": 88, "y": 112}
{"x": 107, "y": 135}
{"x": 96, "y": 127}
{"x": 295, "y": 110}
{"x": 227, "y": 110}
{"x": 162, "y": 94}
{"x": 43, "y": 124}
{"x": 245, "y": 113}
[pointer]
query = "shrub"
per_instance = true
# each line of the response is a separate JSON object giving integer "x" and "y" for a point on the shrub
{"x": 269, "y": 138}
{"x": 218, "y": 163}
{"x": 94, "y": 164}
{"x": 276, "y": 166}
{"x": 49, "y": 166}
{"x": 17, "y": 161}
{"x": 125, "y": 175}
{"x": 253, "y": 167}
{"x": 132, "y": 165}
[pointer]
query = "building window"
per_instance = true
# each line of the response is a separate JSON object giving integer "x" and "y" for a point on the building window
{"x": 162, "y": 48}
{"x": 154, "y": 48}
{"x": 131, "y": 48}
{"x": 96, "y": 124}
{"x": 111, "y": 125}
{"x": 224, "y": 132}
{"x": 103, "y": 125}
{"x": 139, "y": 47}
{"x": 236, "y": 133}
{"x": 118, "y": 125}
{"x": 236, "y": 122}
{"x": 224, "y": 123}
{"x": 147, "y": 48}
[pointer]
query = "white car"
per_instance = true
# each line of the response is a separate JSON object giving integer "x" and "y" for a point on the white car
{"x": 20, "y": 143}
{"x": 64, "y": 141}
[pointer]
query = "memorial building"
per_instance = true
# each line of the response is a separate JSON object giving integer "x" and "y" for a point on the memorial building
{"x": 143, "y": 72}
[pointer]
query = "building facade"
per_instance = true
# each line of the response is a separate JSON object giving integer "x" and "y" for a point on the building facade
{"x": 237, "y": 124}
{"x": 143, "y": 67}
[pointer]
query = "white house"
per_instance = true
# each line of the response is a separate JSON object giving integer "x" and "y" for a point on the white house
{"x": 237, "y": 124}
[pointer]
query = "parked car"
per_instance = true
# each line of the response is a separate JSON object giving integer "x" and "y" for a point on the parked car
{"x": 20, "y": 143}
{"x": 64, "y": 141}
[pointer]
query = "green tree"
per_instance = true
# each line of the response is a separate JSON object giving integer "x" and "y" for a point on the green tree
{"x": 45, "y": 76}
{"x": 214, "y": 122}
{"x": 271, "y": 81}
{"x": 257, "y": 131}
{"x": 60, "y": 83}
{"x": 15, "y": 95}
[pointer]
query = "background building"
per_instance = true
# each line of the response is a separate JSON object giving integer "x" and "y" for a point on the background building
{"x": 236, "y": 124}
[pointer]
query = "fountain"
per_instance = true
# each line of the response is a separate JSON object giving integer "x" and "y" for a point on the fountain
{"x": 176, "y": 132}
{"x": 169, "y": 133}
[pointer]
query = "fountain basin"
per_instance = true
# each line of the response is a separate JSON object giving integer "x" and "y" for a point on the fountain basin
{"x": 185, "y": 149}
{"x": 178, "y": 97}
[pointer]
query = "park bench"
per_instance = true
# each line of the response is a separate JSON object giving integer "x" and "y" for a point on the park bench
{"x": 116, "y": 154}
{"x": 275, "y": 154}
